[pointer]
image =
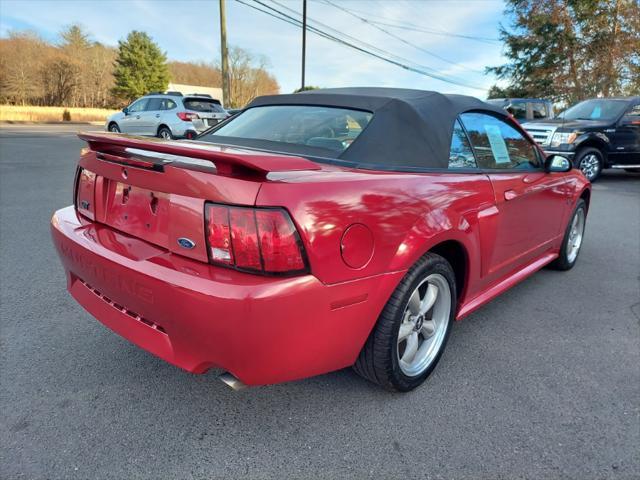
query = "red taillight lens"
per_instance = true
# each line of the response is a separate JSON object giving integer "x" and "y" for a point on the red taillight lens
{"x": 187, "y": 116}
{"x": 219, "y": 234}
{"x": 278, "y": 242}
{"x": 245, "y": 238}
{"x": 255, "y": 239}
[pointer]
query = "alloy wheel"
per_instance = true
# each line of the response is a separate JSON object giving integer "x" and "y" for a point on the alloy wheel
{"x": 590, "y": 166}
{"x": 575, "y": 235}
{"x": 424, "y": 325}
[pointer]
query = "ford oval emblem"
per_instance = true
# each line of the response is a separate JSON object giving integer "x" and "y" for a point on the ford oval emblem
{"x": 186, "y": 243}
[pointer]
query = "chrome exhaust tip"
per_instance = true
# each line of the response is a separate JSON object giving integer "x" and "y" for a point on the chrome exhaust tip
{"x": 232, "y": 382}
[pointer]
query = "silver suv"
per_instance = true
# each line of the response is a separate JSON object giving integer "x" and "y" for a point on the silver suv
{"x": 168, "y": 115}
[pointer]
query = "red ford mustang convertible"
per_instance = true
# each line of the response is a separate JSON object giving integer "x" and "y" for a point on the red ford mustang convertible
{"x": 316, "y": 231}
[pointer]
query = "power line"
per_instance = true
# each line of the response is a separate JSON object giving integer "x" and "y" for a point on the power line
{"x": 397, "y": 37}
{"x": 443, "y": 33}
{"x": 383, "y": 55}
{"x": 344, "y": 35}
{"x": 269, "y": 13}
{"x": 389, "y": 54}
{"x": 417, "y": 28}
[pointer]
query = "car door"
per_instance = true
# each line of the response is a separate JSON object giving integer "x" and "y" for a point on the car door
{"x": 132, "y": 123}
{"x": 531, "y": 203}
{"x": 627, "y": 137}
{"x": 150, "y": 117}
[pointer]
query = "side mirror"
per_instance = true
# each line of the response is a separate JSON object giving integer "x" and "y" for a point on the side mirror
{"x": 557, "y": 163}
{"x": 125, "y": 110}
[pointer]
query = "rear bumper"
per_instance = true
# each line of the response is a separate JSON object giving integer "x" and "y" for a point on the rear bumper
{"x": 197, "y": 316}
{"x": 179, "y": 129}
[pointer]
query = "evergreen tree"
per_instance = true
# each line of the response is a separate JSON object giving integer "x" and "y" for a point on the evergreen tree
{"x": 75, "y": 41}
{"x": 568, "y": 50}
{"x": 140, "y": 67}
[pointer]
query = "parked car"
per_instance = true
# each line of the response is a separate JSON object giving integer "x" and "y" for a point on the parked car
{"x": 316, "y": 231}
{"x": 168, "y": 115}
{"x": 525, "y": 109}
{"x": 596, "y": 134}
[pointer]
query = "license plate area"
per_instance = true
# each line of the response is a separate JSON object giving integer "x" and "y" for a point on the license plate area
{"x": 137, "y": 211}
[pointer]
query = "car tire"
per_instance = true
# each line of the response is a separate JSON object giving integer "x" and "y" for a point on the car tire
{"x": 165, "y": 133}
{"x": 113, "y": 127}
{"x": 590, "y": 161}
{"x": 573, "y": 239}
{"x": 406, "y": 326}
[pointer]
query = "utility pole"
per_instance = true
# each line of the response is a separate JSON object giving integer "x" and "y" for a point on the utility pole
{"x": 224, "y": 54}
{"x": 304, "y": 37}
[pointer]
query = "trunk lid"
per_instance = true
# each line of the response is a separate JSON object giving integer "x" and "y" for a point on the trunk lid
{"x": 156, "y": 190}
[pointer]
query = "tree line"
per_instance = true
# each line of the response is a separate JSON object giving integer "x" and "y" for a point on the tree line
{"x": 569, "y": 50}
{"x": 77, "y": 71}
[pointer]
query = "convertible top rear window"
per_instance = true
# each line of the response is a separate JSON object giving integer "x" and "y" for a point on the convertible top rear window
{"x": 366, "y": 127}
{"x": 304, "y": 129}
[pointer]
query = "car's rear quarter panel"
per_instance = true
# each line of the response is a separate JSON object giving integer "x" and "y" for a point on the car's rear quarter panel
{"x": 407, "y": 213}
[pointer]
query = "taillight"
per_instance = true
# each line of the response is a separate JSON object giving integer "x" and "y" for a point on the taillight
{"x": 187, "y": 116}
{"x": 262, "y": 240}
{"x": 85, "y": 187}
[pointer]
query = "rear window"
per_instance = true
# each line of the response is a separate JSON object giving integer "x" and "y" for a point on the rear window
{"x": 314, "y": 130}
{"x": 202, "y": 105}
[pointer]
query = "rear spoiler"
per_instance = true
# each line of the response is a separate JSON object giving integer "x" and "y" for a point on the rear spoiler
{"x": 154, "y": 153}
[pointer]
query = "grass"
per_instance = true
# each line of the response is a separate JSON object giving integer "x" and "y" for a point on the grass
{"x": 27, "y": 113}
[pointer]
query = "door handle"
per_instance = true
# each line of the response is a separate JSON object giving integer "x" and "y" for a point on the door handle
{"x": 137, "y": 116}
{"x": 157, "y": 115}
{"x": 510, "y": 194}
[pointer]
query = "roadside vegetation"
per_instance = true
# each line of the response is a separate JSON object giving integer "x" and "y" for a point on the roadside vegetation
{"x": 38, "y": 114}
{"x": 569, "y": 50}
{"x": 76, "y": 72}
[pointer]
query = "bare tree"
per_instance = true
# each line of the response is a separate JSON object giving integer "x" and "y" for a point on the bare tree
{"x": 22, "y": 55}
{"x": 99, "y": 77}
{"x": 248, "y": 78}
{"x": 200, "y": 74}
{"x": 59, "y": 76}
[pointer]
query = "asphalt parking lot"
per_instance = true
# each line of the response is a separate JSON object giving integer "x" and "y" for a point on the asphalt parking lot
{"x": 542, "y": 383}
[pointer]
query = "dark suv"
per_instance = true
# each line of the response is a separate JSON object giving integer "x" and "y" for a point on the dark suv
{"x": 596, "y": 134}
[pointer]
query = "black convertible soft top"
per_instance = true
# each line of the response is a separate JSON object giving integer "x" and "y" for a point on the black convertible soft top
{"x": 409, "y": 128}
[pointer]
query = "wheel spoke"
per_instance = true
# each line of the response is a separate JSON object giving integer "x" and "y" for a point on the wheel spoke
{"x": 411, "y": 349}
{"x": 429, "y": 298}
{"x": 405, "y": 330}
{"x": 425, "y": 319}
{"x": 414, "y": 303}
{"x": 428, "y": 328}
